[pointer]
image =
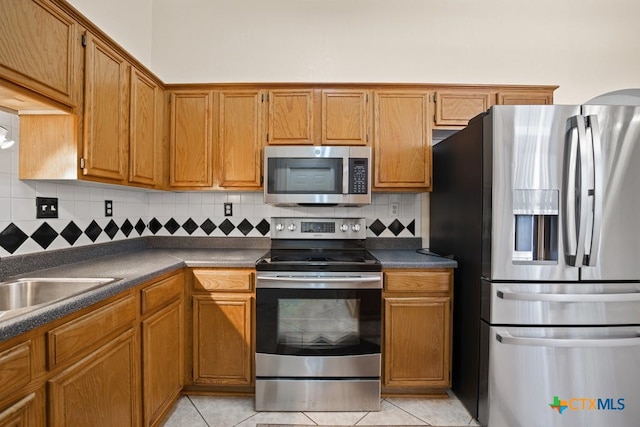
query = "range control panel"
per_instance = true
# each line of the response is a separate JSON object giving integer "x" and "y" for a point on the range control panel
{"x": 321, "y": 228}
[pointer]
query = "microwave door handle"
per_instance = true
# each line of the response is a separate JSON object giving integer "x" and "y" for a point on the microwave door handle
{"x": 598, "y": 187}
{"x": 504, "y": 337}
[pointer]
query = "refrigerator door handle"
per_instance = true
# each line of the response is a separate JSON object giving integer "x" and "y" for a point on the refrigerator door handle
{"x": 575, "y": 191}
{"x": 542, "y": 297}
{"x": 505, "y": 337}
{"x": 598, "y": 187}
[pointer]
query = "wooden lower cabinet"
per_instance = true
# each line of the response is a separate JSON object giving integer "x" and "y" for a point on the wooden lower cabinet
{"x": 222, "y": 312}
{"x": 100, "y": 389}
{"x": 28, "y": 411}
{"x": 417, "y": 330}
{"x": 162, "y": 360}
{"x": 222, "y": 343}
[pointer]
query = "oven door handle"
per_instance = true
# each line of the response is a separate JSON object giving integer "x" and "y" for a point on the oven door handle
{"x": 333, "y": 282}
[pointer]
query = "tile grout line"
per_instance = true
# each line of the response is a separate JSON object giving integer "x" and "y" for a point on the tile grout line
{"x": 407, "y": 412}
{"x": 198, "y": 411}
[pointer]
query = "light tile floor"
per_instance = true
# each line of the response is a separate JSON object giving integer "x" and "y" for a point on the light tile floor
{"x": 218, "y": 411}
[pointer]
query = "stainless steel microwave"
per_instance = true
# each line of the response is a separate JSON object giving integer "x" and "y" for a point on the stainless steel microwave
{"x": 317, "y": 175}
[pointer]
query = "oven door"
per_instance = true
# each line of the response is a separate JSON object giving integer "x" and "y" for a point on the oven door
{"x": 318, "y": 326}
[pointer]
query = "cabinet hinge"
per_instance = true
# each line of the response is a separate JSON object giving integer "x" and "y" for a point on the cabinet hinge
{"x": 267, "y": 137}
{"x": 433, "y": 97}
{"x": 81, "y": 162}
{"x": 261, "y": 179}
{"x": 262, "y": 98}
{"x": 84, "y": 40}
{"x": 366, "y": 97}
{"x": 367, "y": 137}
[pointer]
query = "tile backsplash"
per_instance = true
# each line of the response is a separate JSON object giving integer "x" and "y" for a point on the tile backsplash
{"x": 139, "y": 212}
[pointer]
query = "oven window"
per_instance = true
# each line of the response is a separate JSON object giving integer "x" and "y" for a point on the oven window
{"x": 318, "y": 324}
{"x": 304, "y": 175}
{"x": 318, "y": 321}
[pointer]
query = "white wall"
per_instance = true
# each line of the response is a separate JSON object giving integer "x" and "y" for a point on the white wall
{"x": 588, "y": 47}
{"x": 128, "y": 22}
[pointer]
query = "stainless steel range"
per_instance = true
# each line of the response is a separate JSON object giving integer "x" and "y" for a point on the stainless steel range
{"x": 318, "y": 318}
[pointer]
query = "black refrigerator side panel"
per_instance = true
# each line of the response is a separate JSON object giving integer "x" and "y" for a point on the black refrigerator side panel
{"x": 456, "y": 229}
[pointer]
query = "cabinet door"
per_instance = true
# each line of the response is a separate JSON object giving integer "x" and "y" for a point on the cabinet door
{"x": 15, "y": 368}
{"x": 240, "y": 137}
{"x": 106, "y": 111}
{"x": 144, "y": 144}
{"x": 26, "y": 412}
{"x": 345, "y": 117}
{"x": 39, "y": 44}
{"x": 191, "y": 142}
{"x": 101, "y": 389}
{"x": 456, "y": 108}
{"x": 290, "y": 117}
{"x": 525, "y": 98}
{"x": 402, "y": 140}
{"x": 417, "y": 341}
{"x": 222, "y": 343}
{"x": 162, "y": 360}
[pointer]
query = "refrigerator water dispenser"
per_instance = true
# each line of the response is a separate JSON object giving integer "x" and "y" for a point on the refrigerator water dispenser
{"x": 536, "y": 232}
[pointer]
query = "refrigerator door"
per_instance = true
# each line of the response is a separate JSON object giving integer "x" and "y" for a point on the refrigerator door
{"x": 523, "y": 161}
{"x": 566, "y": 377}
{"x": 616, "y": 234}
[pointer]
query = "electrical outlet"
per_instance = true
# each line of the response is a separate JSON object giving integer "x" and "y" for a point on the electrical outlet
{"x": 394, "y": 209}
{"x": 46, "y": 207}
{"x": 228, "y": 209}
{"x": 108, "y": 208}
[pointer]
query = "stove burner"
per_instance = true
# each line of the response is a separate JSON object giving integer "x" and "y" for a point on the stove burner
{"x": 310, "y": 260}
{"x": 324, "y": 256}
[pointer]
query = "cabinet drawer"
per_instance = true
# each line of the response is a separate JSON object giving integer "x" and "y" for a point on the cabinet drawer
{"x": 85, "y": 333}
{"x": 418, "y": 281}
{"x": 15, "y": 368}
{"x": 155, "y": 295}
{"x": 223, "y": 280}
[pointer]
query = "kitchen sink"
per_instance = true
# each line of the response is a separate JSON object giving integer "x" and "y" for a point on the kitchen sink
{"x": 21, "y": 295}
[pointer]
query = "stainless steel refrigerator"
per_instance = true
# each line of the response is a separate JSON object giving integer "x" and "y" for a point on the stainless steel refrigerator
{"x": 540, "y": 206}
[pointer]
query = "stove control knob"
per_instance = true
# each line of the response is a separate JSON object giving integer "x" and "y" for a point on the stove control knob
{"x": 292, "y": 227}
{"x": 355, "y": 227}
{"x": 279, "y": 227}
{"x": 344, "y": 228}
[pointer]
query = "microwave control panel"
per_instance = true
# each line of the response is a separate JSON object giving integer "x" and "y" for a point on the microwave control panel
{"x": 358, "y": 176}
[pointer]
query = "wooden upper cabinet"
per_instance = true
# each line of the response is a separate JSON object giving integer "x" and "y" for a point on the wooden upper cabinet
{"x": 191, "y": 142}
{"x": 106, "y": 112}
{"x": 39, "y": 43}
{"x": 525, "y": 98}
{"x": 345, "y": 117}
{"x": 456, "y": 108}
{"x": 290, "y": 117}
{"x": 144, "y": 130}
{"x": 402, "y": 140}
{"x": 240, "y": 138}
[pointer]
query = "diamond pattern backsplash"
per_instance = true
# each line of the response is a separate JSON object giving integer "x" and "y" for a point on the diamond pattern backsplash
{"x": 12, "y": 237}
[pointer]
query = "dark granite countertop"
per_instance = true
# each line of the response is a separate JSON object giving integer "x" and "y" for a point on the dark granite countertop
{"x": 410, "y": 258}
{"x": 140, "y": 263}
